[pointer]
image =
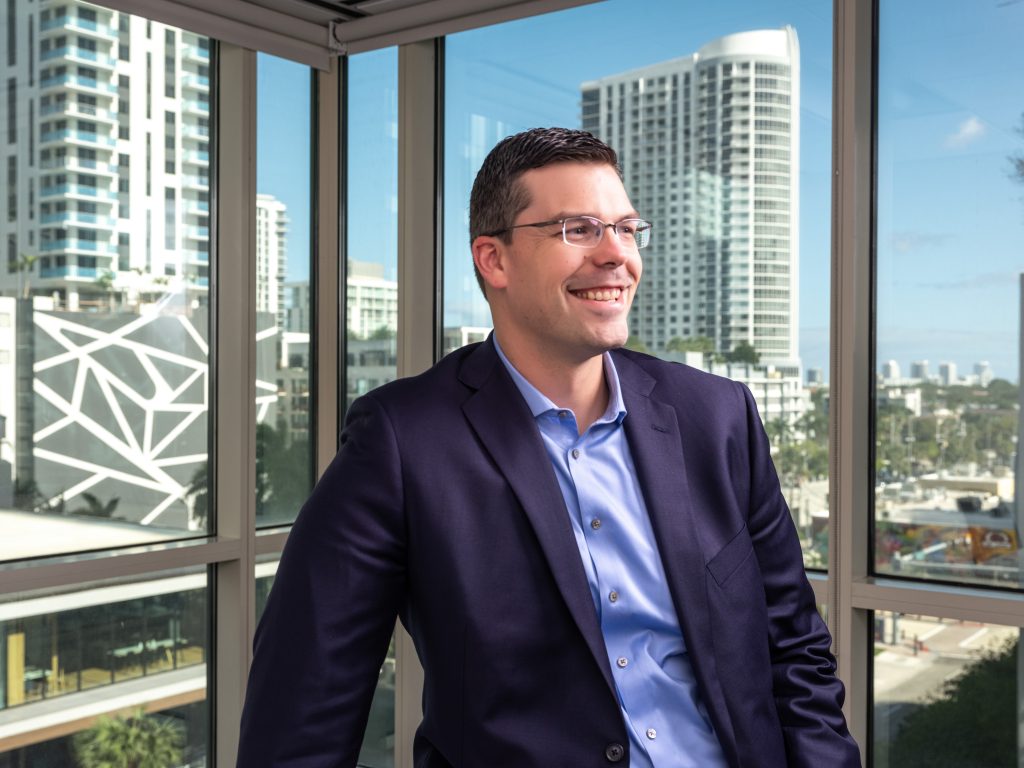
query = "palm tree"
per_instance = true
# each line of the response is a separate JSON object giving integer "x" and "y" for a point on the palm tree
{"x": 25, "y": 264}
{"x": 197, "y": 497}
{"x": 130, "y": 741}
{"x": 96, "y": 508}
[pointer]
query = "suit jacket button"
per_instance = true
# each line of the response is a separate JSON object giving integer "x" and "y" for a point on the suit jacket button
{"x": 614, "y": 753}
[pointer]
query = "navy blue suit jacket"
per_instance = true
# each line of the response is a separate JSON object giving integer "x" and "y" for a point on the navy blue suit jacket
{"x": 442, "y": 508}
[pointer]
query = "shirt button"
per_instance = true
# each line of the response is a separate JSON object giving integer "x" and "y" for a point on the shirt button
{"x": 613, "y": 595}
{"x": 614, "y": 753}
{"x": 622, "y": 661}
{"x": 563, "y": 414}
{"x": 652, "y": 734}
{"x": 575, "y": 453}
{"x": 595, "y": 523}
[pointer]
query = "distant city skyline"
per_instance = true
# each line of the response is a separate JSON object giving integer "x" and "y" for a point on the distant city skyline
{"x": 942, "y": 111}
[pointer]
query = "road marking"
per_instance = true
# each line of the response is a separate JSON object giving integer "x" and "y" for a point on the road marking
{"x": 932, "y": 633}
{"x": 977, "y": 635}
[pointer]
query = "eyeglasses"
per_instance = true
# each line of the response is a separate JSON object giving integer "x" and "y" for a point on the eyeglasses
{"x": 586, "y": 231}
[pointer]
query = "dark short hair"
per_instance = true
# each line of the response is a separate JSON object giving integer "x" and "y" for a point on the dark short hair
{"x": 498, "y": 196}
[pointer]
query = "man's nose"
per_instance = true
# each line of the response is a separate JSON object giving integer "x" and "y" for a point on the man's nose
{"x": 614, "y": 249}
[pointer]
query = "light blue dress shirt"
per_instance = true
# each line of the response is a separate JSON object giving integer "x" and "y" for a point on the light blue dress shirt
{"x": 667, "y": 722}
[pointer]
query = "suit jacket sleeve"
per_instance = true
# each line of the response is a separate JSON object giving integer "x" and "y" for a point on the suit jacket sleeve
{"x": 330, "y": 614}
{"x": 808, "y": 695}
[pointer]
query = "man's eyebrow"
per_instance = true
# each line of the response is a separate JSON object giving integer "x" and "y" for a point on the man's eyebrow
{"x": 573, "y": 214}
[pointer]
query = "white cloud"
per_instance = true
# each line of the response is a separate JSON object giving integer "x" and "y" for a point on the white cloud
{"x": 969, "y": 131}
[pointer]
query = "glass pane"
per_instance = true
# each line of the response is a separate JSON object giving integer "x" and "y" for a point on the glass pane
{"x": 378, "y": 749}
{"x": 104, "y": 311}
{"x": 946, "y": 693}
{"x": 371, "y": 293}
{"x": 78, "y": 667}
{"x": 284, "y": 438}
{"x": 949, "y": 292}
{"x": 721, "y": 115}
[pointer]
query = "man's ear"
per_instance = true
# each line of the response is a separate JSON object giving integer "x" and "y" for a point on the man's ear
{"x": 489, "y": 254}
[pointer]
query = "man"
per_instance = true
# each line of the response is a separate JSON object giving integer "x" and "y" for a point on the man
{"x": 588, "y": 546}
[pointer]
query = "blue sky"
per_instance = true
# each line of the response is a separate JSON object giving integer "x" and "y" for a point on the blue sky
{"x": 950, "y": 219}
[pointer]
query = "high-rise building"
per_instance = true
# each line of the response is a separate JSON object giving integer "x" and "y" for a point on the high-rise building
{"x": 891, "y": 372}
{"x": 947, "y": 374}
{"x": 919, "y": 370}
{"x": 106, "y": 166}
{"x": 371, "y": 300}
{"x": 709, "y": 147}
{"x": 983, "y": 371}
{"x": 271, "y": 256}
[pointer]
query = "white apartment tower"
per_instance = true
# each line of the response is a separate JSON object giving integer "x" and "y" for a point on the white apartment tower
{"x": 106, "y": 130}
{"x": 271, "y": 256}
{"x": 709, "y": 147}
{"x": 371, "y": 300}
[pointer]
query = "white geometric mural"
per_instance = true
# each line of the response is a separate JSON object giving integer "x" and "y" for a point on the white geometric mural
{"x": 121, "y": 411}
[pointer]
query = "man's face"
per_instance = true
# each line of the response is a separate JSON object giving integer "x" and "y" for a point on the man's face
{"x": 558, "y": 300}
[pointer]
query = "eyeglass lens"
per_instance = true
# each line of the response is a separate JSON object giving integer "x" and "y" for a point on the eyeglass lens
{"x": 586, "y": 231}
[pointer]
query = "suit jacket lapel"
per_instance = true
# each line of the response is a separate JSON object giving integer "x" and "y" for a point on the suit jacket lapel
{"x": 499, "y": 416}
{"x": 652, "y": 431}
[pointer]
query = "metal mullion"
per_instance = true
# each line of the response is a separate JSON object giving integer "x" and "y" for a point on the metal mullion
{"x": 81, "y": 569}
{"x": 271, "y": 542}
{"x": 962, "y": 603}
{"x": 851, "y": 362}
{"x": 328, "y": 377}
{"x": 419, "y": 254}
{"x": 235, "y": 392}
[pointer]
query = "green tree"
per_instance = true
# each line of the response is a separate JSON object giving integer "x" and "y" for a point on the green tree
{"x": 96, "y": 508}
{"x": 105, "y": 282}
{"x": 197, "y": 495}
{"x": 743, "y": 352}
{"x": 130, "y": 741}
{"x": 25, "y": 265}
{"x": 971, "y": 721}
{"x": 636, "y": 344}
{"x": 283, "y": 473}
{"x": 703, "y": 344}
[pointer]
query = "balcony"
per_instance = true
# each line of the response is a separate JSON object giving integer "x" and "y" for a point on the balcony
{"x": 72, "y": 271}
{"x": 78, "y": 245}
{"x": 78, "y": 217}
{"x": 77, "y": 54}
{"x": 195, "y": 82}
{"x": 90, "y": 84}
{"x": 195, "y": 257}
{"x": 102, "y": 30}
{"x": 196, "y": 206}
{"x": 86, "y": 137}
{"x": 195, "y": 53}
{"x": 196, "y": 233}
{"x": 71, "y": 109}
{"x": 78, "y": 190}
{"x": 195, "y": 182}
{"x": 195, "y": 131}
{"x": 196, "y": 107}
{"x": 196, "y": 157}
{"x": 80, "y": 164}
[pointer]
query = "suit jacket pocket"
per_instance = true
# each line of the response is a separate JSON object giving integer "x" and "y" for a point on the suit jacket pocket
{"x": 730, "y": 557}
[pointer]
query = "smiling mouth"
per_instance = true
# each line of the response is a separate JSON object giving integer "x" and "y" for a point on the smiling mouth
{"x": 598, "y": 294}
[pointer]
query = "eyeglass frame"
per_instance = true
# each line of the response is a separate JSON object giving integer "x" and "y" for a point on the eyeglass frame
{"x": 604, "y": 225}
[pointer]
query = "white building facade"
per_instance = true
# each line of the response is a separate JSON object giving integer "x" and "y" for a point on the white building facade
{"x": 106, "y": 166}
{"x": 709, "y": 147}
{"x": 271, "y": 256}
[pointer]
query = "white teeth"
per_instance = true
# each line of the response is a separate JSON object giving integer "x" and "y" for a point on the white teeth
{"x": 603, "y": 294}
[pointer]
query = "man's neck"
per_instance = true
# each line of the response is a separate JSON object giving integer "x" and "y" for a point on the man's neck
{"x": 578, "y": 386}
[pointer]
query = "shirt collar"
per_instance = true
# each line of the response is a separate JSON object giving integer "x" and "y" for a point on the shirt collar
{"x": 539, "y": 403}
